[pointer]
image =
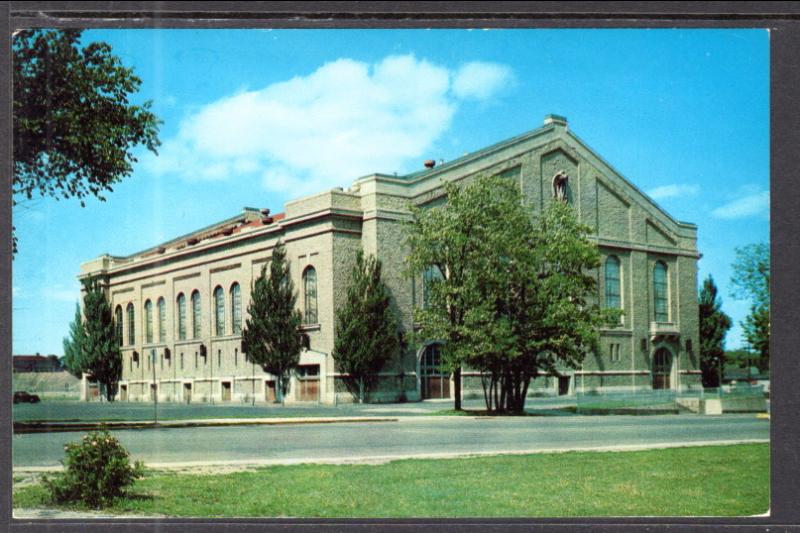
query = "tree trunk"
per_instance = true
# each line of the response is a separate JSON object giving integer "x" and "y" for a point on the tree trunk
{"x": 360, "y": 390}
{"x": 279, "y": 388}
{"x": 485, "y": 395}
{"x": 457, "y": 389}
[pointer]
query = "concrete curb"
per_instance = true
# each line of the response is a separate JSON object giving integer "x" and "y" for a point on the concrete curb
{"x": 382, "y": 459}
{"x": 53, "y": 427}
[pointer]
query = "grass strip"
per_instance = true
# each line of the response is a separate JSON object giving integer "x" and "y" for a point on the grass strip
{"x": 692, "y": 481}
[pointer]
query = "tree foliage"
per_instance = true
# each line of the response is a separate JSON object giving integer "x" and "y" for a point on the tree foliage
{"x": 756, "y": 332}
{"x": 271, "y": 337}
{"x": 102, "y": 358}
{"x": 73, "y": 345}
{"x": 714, "y": 325}
{"x": 514, "y": 299}
{"x": 74, "y": 127}
{"x": 367, "y": 334}
{"x": 751, "y": 277}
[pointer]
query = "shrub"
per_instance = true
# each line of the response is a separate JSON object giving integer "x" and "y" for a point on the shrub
{"x": 97, "y": 471}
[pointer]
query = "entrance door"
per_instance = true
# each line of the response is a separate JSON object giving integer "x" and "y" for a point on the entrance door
{"x": 123, "y": 393}
{"x": 563, "y": 385}
{"x": 308, "y": 381}
{"x": 662, "y": 368}
{"x": 187, "y": 392}
{"x": 269, "y": 391}
{"x": 226, "y": 391}
{"x": 434, "y": 382}
{"x": 153, "y": 392}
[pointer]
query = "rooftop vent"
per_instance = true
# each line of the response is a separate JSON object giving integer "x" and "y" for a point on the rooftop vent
{"x": 430, "y": 163}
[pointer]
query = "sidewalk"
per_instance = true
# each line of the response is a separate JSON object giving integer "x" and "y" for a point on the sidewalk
{"x": 48, "y": 427}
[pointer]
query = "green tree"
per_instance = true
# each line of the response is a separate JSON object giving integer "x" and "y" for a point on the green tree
{"x": 74, "y": 128}
{"x": 714, "y": 325}
{"x": 271, "y": 337}
{"x": 756, "y": 332}
{"x": 513, "y": 298}
{"x": 73, "y": 345}
{"x": 102, "y": 359}
{"x": 367, "y": 334}
{"x": 750, "y": 281}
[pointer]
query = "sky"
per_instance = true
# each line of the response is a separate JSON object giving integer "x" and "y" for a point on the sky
{"x": 259, "y": 117}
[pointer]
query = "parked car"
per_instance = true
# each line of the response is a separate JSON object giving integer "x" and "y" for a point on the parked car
{"x": 26, "y": 397}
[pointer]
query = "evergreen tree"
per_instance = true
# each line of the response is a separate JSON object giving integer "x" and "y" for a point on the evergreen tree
{"x": 271, "y": 337}
{"x": 102, "y": 358}
{"x": 714, "y": 324}
{"x": 73, "y": 345}
{"x": 366, "y": 328}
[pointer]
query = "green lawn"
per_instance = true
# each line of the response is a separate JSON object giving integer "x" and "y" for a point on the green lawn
{"x": 711, "y": 480}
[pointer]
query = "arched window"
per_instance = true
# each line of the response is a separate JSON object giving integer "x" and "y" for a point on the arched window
{"x": 431, "y": 275}
{"x": 236, "y": 309}
{"x": 661, "y": 292}
{"x": 162, "y": 320}
{"x": 195, "y": 315}
{"x": 613, "y": 294}
{"x": 310, "y": 295}
{"x": 131, "y": 325}
{"x": 148, "y": 322}
{"x": 181, "y": 317}
{"x": 219, "y": 312}
{"x": 118, "y": 324}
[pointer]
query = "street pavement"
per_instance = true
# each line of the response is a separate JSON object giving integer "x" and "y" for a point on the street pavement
{"x": 410, "y": 436}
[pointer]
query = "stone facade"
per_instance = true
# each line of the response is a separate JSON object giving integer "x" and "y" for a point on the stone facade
{"x": 655, "y": 281}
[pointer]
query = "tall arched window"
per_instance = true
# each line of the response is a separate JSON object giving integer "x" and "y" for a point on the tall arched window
{"x": 118, "y": 324}
{"x": 131, "y": 325}
{"x": 236, "y": 309}
{"x": 310, "y": 295}
{"x": 431, "y": 275}
{"x": 661, "y": 292}
{"x": 148, "y": 322}
{"x": 219, "y": 312}
{"x": 162, "y": 320}
{"x": 181, "y": 317}
{"x": 613, "y": 293}
{"x": 195, "y": 315}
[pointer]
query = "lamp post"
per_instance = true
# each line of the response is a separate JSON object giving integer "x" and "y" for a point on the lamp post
{"x": 154, "y": 388}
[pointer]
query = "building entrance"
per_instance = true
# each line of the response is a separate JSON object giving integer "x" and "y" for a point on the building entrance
{"x": 662, "y": 369}
{"x": 434, "y": 382}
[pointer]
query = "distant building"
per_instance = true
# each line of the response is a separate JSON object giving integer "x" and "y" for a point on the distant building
{"x": 36, "y": 363}
{"x": 180, "y": 306}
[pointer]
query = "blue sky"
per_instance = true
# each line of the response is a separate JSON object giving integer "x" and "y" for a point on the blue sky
{"x": 259, "y": 117}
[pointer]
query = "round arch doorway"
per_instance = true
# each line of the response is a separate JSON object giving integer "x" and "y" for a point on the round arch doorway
{"x": 662, "y": 369}
{"x": 434, "y": 382}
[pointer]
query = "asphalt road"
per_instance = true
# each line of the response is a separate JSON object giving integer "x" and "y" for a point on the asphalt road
{"x": 407, "y": 437}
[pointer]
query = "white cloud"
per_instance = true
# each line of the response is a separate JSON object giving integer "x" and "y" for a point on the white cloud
{"x": 672, "y": 191}
{"x": 747, "y": 206}
{"x": 61, "y": 293}
{"x": 479, "y": 80}
{"x": 342, "y": 121}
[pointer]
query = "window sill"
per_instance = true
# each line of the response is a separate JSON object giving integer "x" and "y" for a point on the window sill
{"x": 310, "y": 327}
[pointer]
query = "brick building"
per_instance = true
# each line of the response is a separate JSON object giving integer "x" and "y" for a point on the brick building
{"x": 180, "y": 305}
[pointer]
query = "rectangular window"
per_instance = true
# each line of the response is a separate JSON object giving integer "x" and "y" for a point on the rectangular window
{"x": 195, "y": 360}
{"x": 219, "y": 358}
{"x": 181, "y": 360}
{"x": 236, "y": 357}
